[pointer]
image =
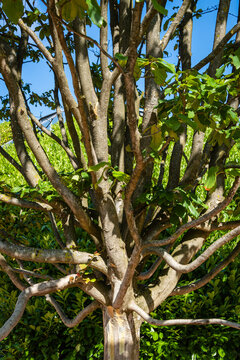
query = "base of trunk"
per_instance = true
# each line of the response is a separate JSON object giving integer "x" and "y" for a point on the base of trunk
{"x": 121, "y": 336}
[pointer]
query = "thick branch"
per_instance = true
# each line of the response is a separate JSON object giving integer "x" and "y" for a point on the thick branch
{"x": 52, "y": 256}
{"x": 25, "y": 203}
{"x": 16, "y": 316}
{"x": 132, "y": 264}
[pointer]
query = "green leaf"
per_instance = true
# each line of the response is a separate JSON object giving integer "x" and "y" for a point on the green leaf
{"x": 236, "y": 59}
{"x": 173, "y": 123}
{"x": 121, "y": 176}
{"x": 122, "y": 59}
{"x": 98, "y": 166}
{"x": 192, "y": 210}
{"x": 233, "y": 115}
{"x": 191, "y": 114}
{"x": 221, "y": 352}
{"x": 94, "y": 13}
{"x": 72, "y": 8}
{"x": 167, "y": 66}
{"x": 159, "y": 74}
{"x": 159, "y": 7}
{"x": 155, "y": 336}
{"x": 156, "y": 137}
{"x": 137, "y": 72}
{"x": 220, "y": 71}
{"x": 211, "y": 178}
{"x": 13, "y": 9}
{"x": 119, "y": 56}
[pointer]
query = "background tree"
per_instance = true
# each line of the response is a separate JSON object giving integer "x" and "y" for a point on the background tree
{"x": 140, "y": 200}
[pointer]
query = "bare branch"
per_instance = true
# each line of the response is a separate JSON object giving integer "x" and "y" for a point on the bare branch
{"x": 146, "y": 21}
{"x": 95, "y": 43}
{"x": 16, "y": 316}
{"x": 10, "y": 272}
{"x": 55, "y": 230}
{"x": 37, "y": 41}
{"x": 128, "y": 205}
{"x": 150, "y": 320}
{"x": 201, "y": 258}
{"x": 104, "y": 40}
{"x": 229, "y": 225}
{"x": 181, "y": 290}
{"x": 132, "y": 264}
{"x": 80, "y": 316}
{"x": 40, "y": 289}
{"x": 36, "y": 205}
{"x": 55, "y": 138}
{"x": 220, "y": 31}
{"x": 11, "y": 160}
{"x": 32, "y": 274}
{"x": 218, "y": 48}
{"x": 200, "y": 220}
{"x": 174, "y": 24}
{"x": 147, "y": 274}
{"x": 52, "y": 256}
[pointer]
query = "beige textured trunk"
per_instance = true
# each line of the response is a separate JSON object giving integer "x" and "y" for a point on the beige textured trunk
{"x": 121, "y": 336}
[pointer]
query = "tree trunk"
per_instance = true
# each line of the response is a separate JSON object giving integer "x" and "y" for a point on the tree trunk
{"x": 121, "y": 336}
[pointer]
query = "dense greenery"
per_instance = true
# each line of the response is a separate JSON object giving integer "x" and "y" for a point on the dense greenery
{"x": 40, "y": 327}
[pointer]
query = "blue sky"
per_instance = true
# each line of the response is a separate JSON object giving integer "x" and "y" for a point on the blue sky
{"x": 39, "y": 75}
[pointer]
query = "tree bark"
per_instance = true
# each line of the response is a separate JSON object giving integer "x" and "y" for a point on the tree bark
{"x": 121, "y": 336}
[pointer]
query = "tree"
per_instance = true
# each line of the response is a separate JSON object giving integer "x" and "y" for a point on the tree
{"x": 141, "y": 200}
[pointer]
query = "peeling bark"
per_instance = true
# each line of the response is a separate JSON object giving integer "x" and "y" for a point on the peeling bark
{"x": 121, "y": 335}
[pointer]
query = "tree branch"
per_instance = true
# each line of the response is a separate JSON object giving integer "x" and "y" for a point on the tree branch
{"x": 147, "y": 274}
{"x": 219, "y": 47}
{"x": 115, "y": 62}
{"x": 55, "y": 138}
{"x": 198, "y": 221}
{"x": 36, "y": 205}
{"x": 55, "y": 230}
{"x": 32, "y": 274}
{"x": 174, "y": 24}
{"x": 52, "y": 256}
{"x": 132, "y": 264}
{"x": 201, "y": 258}
{"x": 104, "y": 40}
{"x": 80, "y": 316}
{"x": 10, "y": 272}
{"x": 150, "y": 320}
{"x": 40, "y": 289}
{"x": 12, "y": 161}
{"x": 181, "y": 290}
{"x": 37, "y": 41}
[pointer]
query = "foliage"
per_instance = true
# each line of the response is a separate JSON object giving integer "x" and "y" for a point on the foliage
{"x": 109, "y": 210}
{"x": 5, "y": 133}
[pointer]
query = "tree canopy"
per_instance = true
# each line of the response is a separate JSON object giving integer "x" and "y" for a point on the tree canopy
{"x": 140, "y": 185}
